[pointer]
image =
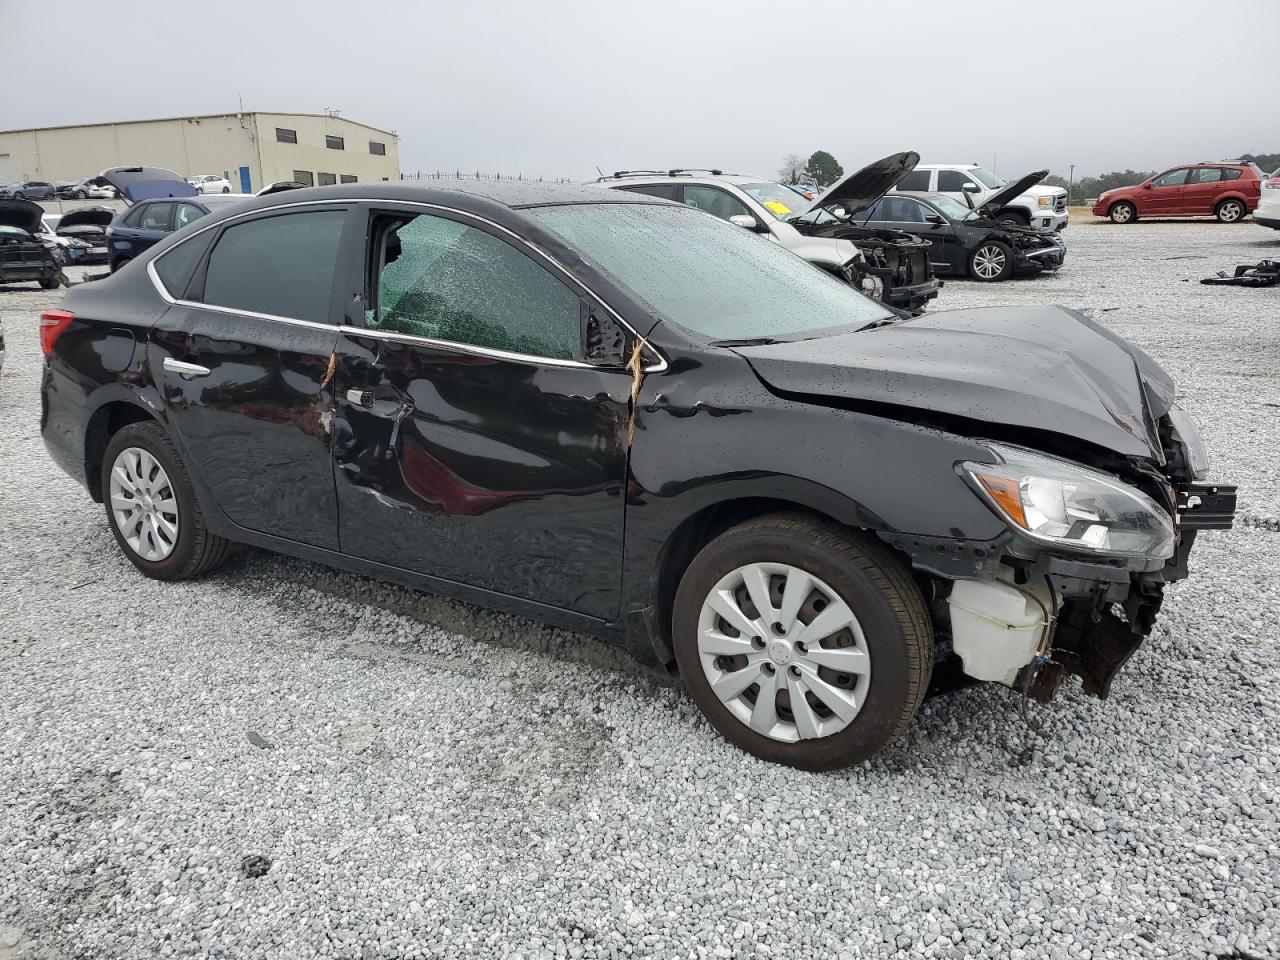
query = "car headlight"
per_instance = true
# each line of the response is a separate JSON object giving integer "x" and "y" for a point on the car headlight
{"x": 1069, "y": 505}
{"x": 1044, "y": 201}
{"x": 1187, "y": 433}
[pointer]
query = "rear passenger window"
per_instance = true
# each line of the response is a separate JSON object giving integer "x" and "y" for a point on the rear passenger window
{"x": 915, "y": 180}
{"x": 445, "y": 280}
{"x": 667, "y": 191}
{"x": 156, "y": 216}
{"x": 187, "y": 213}
{"x": 1231, "y": 174}
{"x": 1205, "y": 175}
{"x": 177, "y": 266}
{"x": 283, "y": 266}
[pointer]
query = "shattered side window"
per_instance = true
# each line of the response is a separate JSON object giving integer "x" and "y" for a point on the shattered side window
{"x": 444, "y": 280}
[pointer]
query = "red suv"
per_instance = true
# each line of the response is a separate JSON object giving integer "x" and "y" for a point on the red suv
{"x": 1228, "y": 191}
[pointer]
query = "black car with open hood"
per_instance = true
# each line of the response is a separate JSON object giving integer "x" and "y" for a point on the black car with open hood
{"x": 622, "y": 415}
{"x": 24, "y": 257}
{"x": 900, "y": 260}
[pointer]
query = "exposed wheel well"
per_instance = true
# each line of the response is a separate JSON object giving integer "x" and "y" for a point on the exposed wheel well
{"x": 106, "y": 421}
{"x": 695, "y": 533}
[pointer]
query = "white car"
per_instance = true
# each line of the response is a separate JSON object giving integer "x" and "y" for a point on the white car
{"x": 1267, "y": 213}
{"x": 208, "y": 183}
{"x": 1037, "y": 206}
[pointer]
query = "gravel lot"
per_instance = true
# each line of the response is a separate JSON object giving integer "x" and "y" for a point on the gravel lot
{"x": 430, "y": 780}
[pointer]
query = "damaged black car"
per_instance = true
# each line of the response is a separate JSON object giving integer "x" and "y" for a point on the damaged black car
{"x": 964, "y": 242}
{"x": 24, "y": 257}
{"x": 617, "y": 414}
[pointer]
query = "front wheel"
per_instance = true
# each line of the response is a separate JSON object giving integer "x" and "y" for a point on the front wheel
{"x": 81, "y": 195}
{"x": 50, "y": 283}
{"x": 1229, "y": 211}
{"x": 991, "y": 261}
{"x": 152, "y": 508}
{"x": 802, "y": 643}
{"x": 1123, "y": 212}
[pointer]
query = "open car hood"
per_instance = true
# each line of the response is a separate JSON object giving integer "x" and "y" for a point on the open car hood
{"x": 1042, "y": 368}
{"x": 86, "y": 216}
{"x": 145, "y": 183}
{"x": 861, "y": 189}
{"x": 15, "y": 212}
{"x": 993, "y": 204}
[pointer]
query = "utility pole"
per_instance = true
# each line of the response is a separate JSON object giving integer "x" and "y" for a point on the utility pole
{"x": 1071, "y": 179}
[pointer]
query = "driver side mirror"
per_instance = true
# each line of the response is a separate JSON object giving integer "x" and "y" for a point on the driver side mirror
{"x": 934, "y": 218}
{"x": 748, "y": 222}
{"x": 971, "y": 187}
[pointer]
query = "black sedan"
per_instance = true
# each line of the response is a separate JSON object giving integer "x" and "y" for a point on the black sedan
{"x": 964, "y": 241}
{"x": 615, "y": 413}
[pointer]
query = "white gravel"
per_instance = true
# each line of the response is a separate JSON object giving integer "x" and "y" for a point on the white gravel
{"x": 431, "y": 781}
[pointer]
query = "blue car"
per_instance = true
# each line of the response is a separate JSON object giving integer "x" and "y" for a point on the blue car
{"x": 160, "y": 202}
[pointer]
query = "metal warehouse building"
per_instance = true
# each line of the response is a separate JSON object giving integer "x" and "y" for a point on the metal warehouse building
{"x": 249, "y": 149}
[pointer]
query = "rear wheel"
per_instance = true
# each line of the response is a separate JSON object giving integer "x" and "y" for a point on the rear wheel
{"x": 226, "y": 189}
{"x": 50, "y": 283}
{"x": 152, "y": 508}
{"x": 991, "y": 261}
{"x": 81, "y": 195}
{"x": 1229, "y": 211}
{"x": 1123, "y": 212}
{"x": 802, "y": 643}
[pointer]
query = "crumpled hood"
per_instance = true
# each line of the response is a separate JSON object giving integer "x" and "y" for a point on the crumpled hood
{"x": 16, "y": 212}
{"x": 1044, "y": 368}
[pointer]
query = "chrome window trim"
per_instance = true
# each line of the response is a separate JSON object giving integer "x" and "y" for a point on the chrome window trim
{"x": 658, "y": 366}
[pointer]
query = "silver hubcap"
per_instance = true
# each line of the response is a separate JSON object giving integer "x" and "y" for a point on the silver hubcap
{"x": 1120, "y": 214}
{"x": 989, "y": 262}
{"x": 783, "y": 652}
{"x": 1230, "y": 211}
{"x": 143, "y": 504}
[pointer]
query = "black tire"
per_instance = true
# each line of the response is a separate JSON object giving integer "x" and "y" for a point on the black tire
{"x": 81, "y": 195}
{"x": 50, "y": 283}
{"x": 226, "y": 189}
{"x": 867, "y": 576}
{"x": 19, "y": 195}
{"x": 1013, "y": 216}
{"x": 1230, "y": 210}
{"x": 196, "y": 551}
{"x": 1123, "y": 212}
{"x": 988, "y": 251}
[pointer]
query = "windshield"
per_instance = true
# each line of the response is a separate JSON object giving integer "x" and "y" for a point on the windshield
{"x": 782, "y": 202}
{"x": 986, "y": 178}
{"x": 952, "y": 208}
{"x": 712, "y": 278}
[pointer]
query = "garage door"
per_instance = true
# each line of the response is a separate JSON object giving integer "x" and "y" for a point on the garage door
{"x": 6, "y": 169}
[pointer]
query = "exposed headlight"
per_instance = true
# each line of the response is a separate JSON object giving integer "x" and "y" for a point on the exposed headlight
{"x": 1072, "y": 506}
{"x": 1044, "y": 201}
{"x": 1188, "y": 434}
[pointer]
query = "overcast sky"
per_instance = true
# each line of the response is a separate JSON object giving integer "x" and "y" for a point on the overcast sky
{"x": 554, "y": 88}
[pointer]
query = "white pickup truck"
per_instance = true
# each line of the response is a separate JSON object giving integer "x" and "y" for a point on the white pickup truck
{"x": 1037, "y": 206}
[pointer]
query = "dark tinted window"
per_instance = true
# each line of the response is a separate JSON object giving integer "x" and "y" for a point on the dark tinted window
{"x": 902, "y": 210}
{"x": 1231, "y": 174}
{"x": 281, "y": 265}
{"x": 447, "y": 281}
{"x": 915, "y": 180}
{"x": 348, "y": 178}
{"x": 285, "y": 135}
{"x": 156, "y": 216}
{"x": 177, "y": 266}
{"x": 378, "y": 148}
{"x": 952, "y": 181}
{"x": 335, "y": 143}
{"x": 1205, "y": 175}
{"x": 304, "y": 176}
{"x": 326, "y": 179}
{"x": 715, "y": 201}
{"x": 135, "y": 215}
{"x": 1174, "y": 178}
{"x": 667, "y": 191}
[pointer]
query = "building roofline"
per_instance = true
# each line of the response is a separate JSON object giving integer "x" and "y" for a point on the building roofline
{"x": 200, "y": 116}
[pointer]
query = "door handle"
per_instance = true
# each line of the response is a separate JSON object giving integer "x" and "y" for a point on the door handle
{"x": 188, "y": 371}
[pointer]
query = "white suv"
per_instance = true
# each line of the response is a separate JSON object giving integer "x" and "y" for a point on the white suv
{"x": 1037, "y": 207}
{"x": 1267, "y": 213}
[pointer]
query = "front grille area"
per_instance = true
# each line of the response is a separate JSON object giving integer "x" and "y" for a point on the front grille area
{"x": 1060, "y": 204}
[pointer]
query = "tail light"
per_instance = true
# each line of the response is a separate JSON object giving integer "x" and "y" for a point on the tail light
{"x": 52, "y": 324}
{"x": 1272, "y": 184}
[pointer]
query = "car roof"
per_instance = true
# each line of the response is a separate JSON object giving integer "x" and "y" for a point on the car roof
{"x": 514, "y": 194}
{"x": 736, "y": 179}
